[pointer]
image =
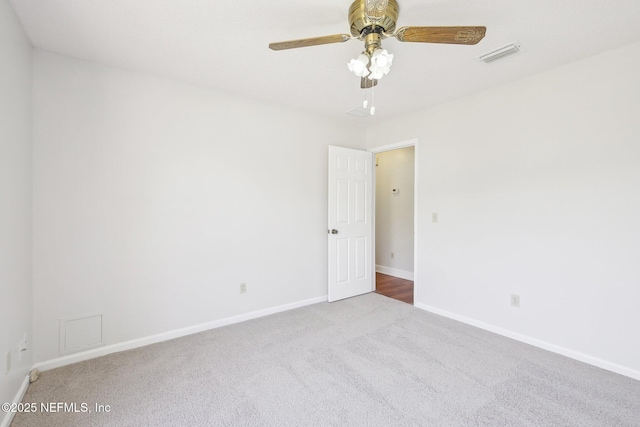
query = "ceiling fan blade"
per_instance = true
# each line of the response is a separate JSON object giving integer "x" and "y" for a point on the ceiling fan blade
{"x": 450, "y": 35}
{"x": 314, "y": 41}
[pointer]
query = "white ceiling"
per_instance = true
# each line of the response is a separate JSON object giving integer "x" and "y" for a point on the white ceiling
{"x": 223, "y": 45}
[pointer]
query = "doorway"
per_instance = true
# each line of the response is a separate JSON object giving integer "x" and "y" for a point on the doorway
{"x": 395, "y": 202}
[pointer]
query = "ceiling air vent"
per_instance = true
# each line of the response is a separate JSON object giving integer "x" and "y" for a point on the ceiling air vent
{"x": 360, "y": 112}
{"x": 499, "y": 53}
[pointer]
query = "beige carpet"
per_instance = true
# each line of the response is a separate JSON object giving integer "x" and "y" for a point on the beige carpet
{"x": 365, "y": 361}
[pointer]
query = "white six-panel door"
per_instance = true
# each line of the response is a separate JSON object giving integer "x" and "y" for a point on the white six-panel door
{"x": 350, "y": 230}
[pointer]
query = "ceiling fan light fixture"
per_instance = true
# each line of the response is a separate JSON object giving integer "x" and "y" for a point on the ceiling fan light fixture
{"x": 358, "y": 66}
{"x": 381, "y": 58}
{"x": 381, "y": 61}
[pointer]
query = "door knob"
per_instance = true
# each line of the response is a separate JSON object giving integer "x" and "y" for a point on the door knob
{"x": 333, "y": 231}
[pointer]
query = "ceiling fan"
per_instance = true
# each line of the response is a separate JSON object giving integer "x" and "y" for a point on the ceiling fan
{"x": 372, "y": 21}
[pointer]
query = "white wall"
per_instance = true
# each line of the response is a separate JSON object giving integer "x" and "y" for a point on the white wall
{"x": 15, "y": 200}
{"x": 154, "y": 200}
{"x": 537, "y": 187}
{"x": 394, "y": 212}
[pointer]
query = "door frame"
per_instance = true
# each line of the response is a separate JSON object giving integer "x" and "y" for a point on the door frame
{"x": 381, "y": 149}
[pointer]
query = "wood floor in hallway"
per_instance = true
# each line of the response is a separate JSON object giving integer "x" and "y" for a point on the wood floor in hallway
{"x": 394, "y": 287}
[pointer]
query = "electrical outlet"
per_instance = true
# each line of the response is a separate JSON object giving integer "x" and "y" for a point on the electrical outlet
{"x": 434, "y": 217}
{"x": 7, "y": 363}
{"x": 243, "y": 288}
{"x": 515, "y": 300}
{"x": 393, "y": 255}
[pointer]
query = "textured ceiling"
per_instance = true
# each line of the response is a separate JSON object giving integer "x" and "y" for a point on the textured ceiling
{"x": 223, "y": 45}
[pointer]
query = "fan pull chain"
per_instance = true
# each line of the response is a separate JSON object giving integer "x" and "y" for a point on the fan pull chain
{"x": 372, "y": 111}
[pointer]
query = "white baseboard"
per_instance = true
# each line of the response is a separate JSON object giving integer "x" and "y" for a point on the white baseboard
{"x": 8, "y": 416}
{"x": 395, "y": 272}
{"x": 165, "y": 336}
{"x": 613, "y": 367}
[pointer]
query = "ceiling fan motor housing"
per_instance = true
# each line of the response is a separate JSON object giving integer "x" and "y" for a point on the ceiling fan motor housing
{"x": 360, "y": 24}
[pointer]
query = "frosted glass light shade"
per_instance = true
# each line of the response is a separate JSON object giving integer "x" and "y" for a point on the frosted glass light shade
{"x": 358, "y": 66}
{"x": 381, "y": 61}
